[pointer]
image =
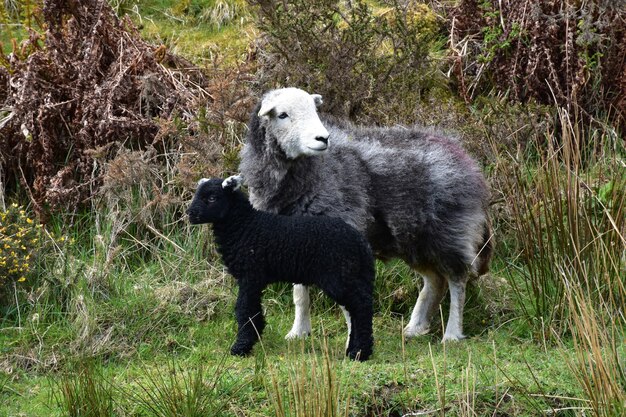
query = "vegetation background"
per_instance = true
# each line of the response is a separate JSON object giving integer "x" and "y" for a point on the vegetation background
{"x": 111, "y": 305}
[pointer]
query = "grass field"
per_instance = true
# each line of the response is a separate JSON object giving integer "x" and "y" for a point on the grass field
{"x": 154, "y": 321}
{"x": 129, "y": 312}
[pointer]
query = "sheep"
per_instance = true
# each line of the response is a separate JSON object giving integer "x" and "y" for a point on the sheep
{"x": 261, "y": 248}
{"x": 414, "y": 193}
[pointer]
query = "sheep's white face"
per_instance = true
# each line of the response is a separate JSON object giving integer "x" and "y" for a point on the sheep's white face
{"x": 290, "y": 115}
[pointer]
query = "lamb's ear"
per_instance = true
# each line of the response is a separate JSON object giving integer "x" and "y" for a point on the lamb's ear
{"x": 317, "y": 99}
{"x": 266, "y": 108}
{"x": 202, "y": 181}
{"x": 232, "y": 183}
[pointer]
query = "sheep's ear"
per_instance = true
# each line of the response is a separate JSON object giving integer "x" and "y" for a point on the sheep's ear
{"x": 317, "y": 99}
{"x": 232, "y": 183}
{"x": 266, "y": 108}
{"x": 202, "y": 181}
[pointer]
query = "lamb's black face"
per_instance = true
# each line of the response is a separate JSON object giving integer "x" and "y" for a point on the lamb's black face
{"x": 211, "y": 202}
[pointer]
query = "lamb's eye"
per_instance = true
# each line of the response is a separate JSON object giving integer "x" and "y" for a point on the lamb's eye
{"x": 211, "y": 199}
{"x": 283, "y": 115}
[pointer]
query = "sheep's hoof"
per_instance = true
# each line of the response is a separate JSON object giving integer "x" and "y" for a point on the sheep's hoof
{"x": 414, "y": 331}
{"x": 453, "y": 337}
{"x": 297, "y": 334}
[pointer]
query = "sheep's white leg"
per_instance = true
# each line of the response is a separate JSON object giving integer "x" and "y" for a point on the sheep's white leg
{"x": 454, "y": 329}
{"x": 302, "y": 322}
{"x": 429, "y": 298}
{"x": 349, "y": 323}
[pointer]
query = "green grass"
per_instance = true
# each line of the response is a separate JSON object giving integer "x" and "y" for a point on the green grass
{"x": 187, "y": 27}
{"x": 192, "y": 32}
{"x": 138, "y": 306}
{"x": 174, "y": 307}
{"x": 149, "y": 311}
{"x": 158, "y": 318}
{"x": 504, "y": 372}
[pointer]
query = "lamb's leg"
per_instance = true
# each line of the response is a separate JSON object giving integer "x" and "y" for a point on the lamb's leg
{"x": 249, "y": 319}
{"x": 302, "y": 322}
{"x": 429, "y": 298}
{"x": 454, "y": 328}
{"x": 361, "y": 335}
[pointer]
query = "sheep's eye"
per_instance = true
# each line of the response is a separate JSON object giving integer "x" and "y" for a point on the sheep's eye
{"x": 283, "y": 115}
{"x": 211, "y": 199}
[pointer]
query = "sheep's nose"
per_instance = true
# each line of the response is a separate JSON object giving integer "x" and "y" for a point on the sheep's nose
{"x": 323, "y": 139}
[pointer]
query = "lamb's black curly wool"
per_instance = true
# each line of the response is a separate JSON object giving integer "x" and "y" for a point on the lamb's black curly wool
{"x": 260, "y": 248}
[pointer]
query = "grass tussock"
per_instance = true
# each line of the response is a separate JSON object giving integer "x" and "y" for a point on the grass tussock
{"x": 179, "y": 392}
{"x": 311, "y": 388}
{"x": 599, "y": 363}
{"x": 86, "y": 393}
{"x": 174, "y": 390}
{"x": 568, "y": 226}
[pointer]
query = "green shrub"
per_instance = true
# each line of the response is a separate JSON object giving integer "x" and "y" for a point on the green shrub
{"x": 30, "y": 258}
{"x": 370, "y": 65}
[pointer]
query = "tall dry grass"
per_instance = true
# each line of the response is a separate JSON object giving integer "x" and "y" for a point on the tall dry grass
{"x": 600, "y": 361}
{"x": 568, "y": 223}
{"x": 312, "y": 388}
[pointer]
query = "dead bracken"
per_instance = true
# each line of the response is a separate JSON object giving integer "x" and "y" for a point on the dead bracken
{"x": 88, "y": 87}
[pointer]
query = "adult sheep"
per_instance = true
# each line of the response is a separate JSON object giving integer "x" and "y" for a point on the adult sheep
{"x": 415, "y": 194}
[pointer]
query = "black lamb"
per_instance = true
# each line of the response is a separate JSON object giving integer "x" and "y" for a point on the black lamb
{"x": 261, "y": 248}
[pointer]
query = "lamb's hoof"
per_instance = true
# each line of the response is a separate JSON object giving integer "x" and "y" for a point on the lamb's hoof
{"x": 360, "y": 355}
{"x": 240, "y": 350}
{"x": 453, "y": 337}
{"x": 414, "y": 331}
{"x": 298, "y": 334}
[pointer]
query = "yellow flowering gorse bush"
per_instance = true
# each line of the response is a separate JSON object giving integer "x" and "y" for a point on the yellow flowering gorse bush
{"x": 20, "y": 239}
